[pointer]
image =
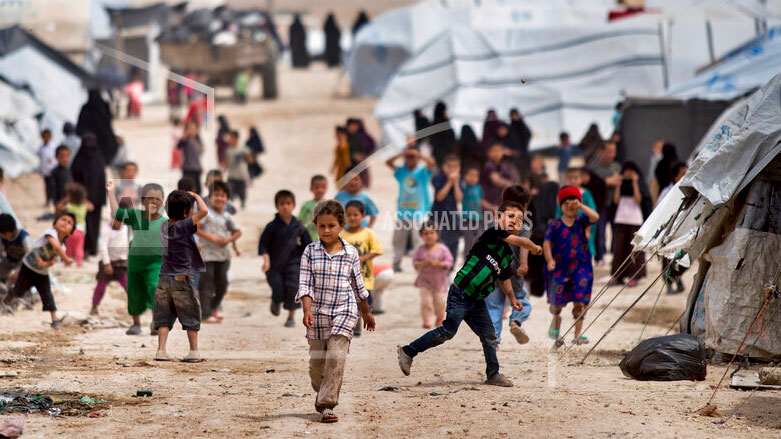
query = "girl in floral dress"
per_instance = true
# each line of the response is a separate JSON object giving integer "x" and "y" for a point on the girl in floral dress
{"x": 568, "y": 272}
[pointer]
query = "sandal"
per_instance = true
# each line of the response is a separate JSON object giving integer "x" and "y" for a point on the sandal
{"x": 580, "y": 340}
{"x": 329, "y": 416}
{"x": 553, "y": 333}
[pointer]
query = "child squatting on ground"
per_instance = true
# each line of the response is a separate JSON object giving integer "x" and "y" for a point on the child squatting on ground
{"x": 176, "y": 295}
{"x": 35, "y": 265}
{"x": 568, "y": 271}
{"x": 331, "y": 291}
{"x": 488, "y": 261}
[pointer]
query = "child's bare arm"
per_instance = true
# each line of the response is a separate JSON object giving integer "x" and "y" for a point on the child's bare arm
{"x": 524, "y": 243}
{"x": 546, "y": 251}
{"x": 90, "y": 206}
{"x": 112, "y": 198}
{"x": 366, "y": 313}
{"x": 372, "y": 220}
{"x": 266, "y": 262}
{"x": 592, "y": 215}
{"x": 59, "y": 250}
{"x": 488, "y": 206}
{"x": 507, "y": 288}
{"x": 60, "y": 207}
{"x": 306, "y": 305}
{"x": 367, "y": 257}
{"x": 203, "y": 209}
{"x": 209, "y": 237}
{"x": 234, "y": 236}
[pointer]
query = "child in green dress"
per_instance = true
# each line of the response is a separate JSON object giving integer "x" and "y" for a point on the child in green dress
{"x": 145, "y": 255}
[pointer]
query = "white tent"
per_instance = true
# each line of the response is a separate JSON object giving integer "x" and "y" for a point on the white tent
{"x": 573, "y": 76}
{"x": 381, "y": 47}
{"x": 741, "y": 71}
{"x": 726, "y": 211}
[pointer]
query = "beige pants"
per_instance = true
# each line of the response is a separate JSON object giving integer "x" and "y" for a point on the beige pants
{"x": 326, "y": 369}
{"x": 432, "y": 304}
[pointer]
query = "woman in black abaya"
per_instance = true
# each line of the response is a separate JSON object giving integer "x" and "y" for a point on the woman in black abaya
{"x": 95, "y": 117}
{"x": 333, "y": 50}
{"x": 89, "y": 169}
{"x": 298, "y": 51}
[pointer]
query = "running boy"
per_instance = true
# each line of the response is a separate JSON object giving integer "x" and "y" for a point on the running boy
{"x": 217, "y": 231}
{"x": 366, "y": 242}
{"x": 35, "y": 265}
{"x": 145, "y": 254}
{"x": 281, "y": 245}
{"x": 331, "y": 291}
{"x": 318, "y": 186}
{"x": 488, "y": 261}
{"x": 175, "y": 296}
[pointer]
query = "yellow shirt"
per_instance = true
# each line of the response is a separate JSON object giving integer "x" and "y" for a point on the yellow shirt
{"x": 365, "y": 242}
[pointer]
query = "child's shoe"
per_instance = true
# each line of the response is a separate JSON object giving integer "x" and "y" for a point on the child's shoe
{"x": 290, "y": 323}
{"x": 405, "y": 361}
{"x": 520, "y": 335}
{"x": 133, "y": 330}
{"x": 275, "y": 308}
{"x": 499, "y": 380}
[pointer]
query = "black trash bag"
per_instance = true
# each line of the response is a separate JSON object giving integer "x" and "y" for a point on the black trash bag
{"x": 669, "y": 358}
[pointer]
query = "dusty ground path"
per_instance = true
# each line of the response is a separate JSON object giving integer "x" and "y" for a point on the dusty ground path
{"x": 255, "y": 383}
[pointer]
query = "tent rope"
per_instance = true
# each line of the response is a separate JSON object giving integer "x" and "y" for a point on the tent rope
{"x": 626, "y": 311}
{"x": 676, "y": 322}
{"x": 650, "y": 314}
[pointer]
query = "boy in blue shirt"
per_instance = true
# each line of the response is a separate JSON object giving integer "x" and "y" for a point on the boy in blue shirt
{"x": 414, "y": 200}
{"x": 352, "y": 191}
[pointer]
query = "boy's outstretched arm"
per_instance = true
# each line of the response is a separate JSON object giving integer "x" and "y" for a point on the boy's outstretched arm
{"x": 59, "y": 251}
{"x": 524, "y": 243}
{"x": 507, "y": 287}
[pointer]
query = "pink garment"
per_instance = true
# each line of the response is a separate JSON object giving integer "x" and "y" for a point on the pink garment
{"x": 434, "y": 279}
{"x": 74, "y": 246}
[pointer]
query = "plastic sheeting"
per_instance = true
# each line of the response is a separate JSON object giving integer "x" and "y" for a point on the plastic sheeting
{"x": 739, "y": 72}
{"x": 573, "y": 76}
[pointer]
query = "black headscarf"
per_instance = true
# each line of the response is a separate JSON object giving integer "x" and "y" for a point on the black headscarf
{"x": 489, "y": 128}
{"x": 95, "y": 117}
{"x": 255, "y": 143}
{"x": 360, "y": 22}
{"x": 522, "y": 133}
{"x": 591, "y": 142}
{"x": 662, "y": 172}
{"x": 443, "y": 142}
{"x": 297, "y": 40}
{"x": 89, "y": 169}
{"x": 469, "y": 148}
{"x": 333, "y": 50}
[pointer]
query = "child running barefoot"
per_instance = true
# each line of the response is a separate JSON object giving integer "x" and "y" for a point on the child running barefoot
{"x": 176, "y": 296}
{"x": 488, "y": 261}
{"x": 366, "y": 242}
{"x": 217, "y": 232}
{"x": 112, "y": 249}
{"x": 145, "y": 254}
{"x": 569, "y": 275}
{"x": 35, "y": 266}
{"x": 330, "y": 285}
{"x": 432, "y": 260}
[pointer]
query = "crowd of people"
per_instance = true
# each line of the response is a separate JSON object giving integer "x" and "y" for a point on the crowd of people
{"x": 523, "y": 233}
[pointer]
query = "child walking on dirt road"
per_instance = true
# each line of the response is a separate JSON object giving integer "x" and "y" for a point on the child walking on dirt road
{"x": 331, "y": 291}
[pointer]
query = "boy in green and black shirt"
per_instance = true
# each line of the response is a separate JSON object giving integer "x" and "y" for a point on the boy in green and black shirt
{"x": 489, "y": 261}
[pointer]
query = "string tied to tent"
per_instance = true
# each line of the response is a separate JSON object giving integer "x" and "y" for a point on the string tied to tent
{"x": 668, "y": 277}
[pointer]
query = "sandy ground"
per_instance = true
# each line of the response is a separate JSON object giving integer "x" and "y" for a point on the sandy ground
{"x": 255, "y": 382}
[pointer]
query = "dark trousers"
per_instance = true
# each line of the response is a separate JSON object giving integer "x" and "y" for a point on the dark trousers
{"x": 48, "y": 183}
{"x": 474, "y": 313}
{"x": 600, "y": 241}
{"x": 212, "y": 285}
{"x": 93, "y": 231}
{"x": 284, "y": 285}
{"x": 622, "y": 251}
{"x": 28, "y": 279}
{"x": 195, "y": 176}
{"x": 238, "y": 189}
{"x": 450, "y": 239}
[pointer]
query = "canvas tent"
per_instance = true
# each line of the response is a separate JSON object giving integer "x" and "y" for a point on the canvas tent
{"x": 741, "y": 71}
{"x": 51, "y": 87}
{"x": 726, "y": 213}
{"x": 573, "y": 76}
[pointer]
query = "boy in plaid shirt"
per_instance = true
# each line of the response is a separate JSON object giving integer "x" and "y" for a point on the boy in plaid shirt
{"x": 331, "y": 291}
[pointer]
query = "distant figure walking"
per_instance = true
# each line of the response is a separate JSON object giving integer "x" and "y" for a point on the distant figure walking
{"x": 333, "y": 50}
{"x": 297, "y": 41}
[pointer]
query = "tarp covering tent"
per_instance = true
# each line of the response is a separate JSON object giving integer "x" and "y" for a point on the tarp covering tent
{"x": 574, "y": 76}
{"x": 56, "y": 85}
{"x": 381, "y": 47}
{"x": 741, "y": 71}
{"x": 681, "y": 122}
{"x": 726, "y": 212}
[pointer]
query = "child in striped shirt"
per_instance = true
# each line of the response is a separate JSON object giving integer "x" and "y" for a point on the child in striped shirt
{"x": 331, "y": 291}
